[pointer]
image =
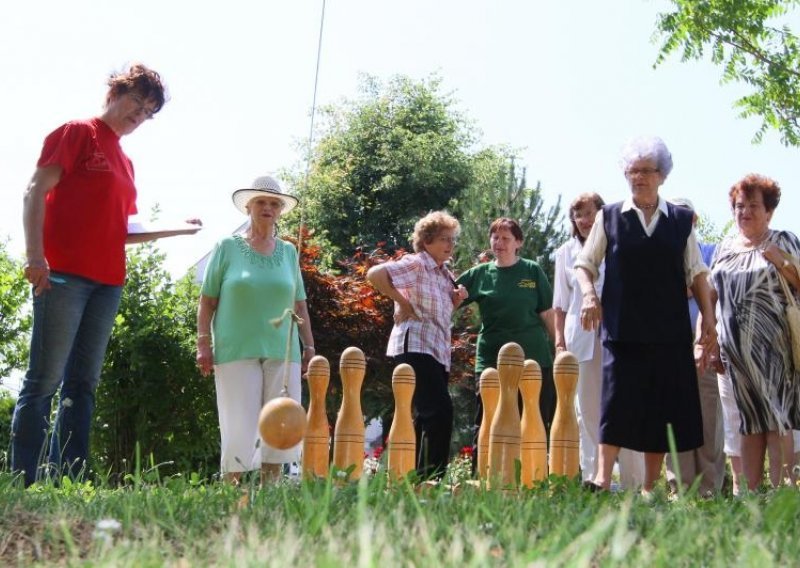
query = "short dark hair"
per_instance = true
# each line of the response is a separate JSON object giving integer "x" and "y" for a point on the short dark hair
{"x": 507, "y": 224}
{"x": 141, "y": 80}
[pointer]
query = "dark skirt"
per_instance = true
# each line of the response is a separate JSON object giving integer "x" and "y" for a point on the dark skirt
{"x": 645, "y": 388}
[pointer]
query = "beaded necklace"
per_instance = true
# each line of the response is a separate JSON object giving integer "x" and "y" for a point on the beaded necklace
{"x": 256, "y": 258}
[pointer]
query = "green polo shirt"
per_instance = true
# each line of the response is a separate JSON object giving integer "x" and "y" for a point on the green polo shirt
{"x": 510, "y": 300}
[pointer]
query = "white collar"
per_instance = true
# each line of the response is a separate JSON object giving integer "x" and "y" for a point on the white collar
{"x": 628, "y": 204}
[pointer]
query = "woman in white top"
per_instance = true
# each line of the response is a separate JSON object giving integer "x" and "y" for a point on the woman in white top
{"x": 585, "y": 345}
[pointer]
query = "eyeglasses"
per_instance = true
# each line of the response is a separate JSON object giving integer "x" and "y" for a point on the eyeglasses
{"x": 641, "y": 171}
{"x": 448, "y": 240}
{"x": 140, "y": 103}
{"x": 752, "y": 206}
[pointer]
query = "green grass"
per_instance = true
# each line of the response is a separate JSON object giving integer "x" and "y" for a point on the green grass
{"x": 180, "y": 522}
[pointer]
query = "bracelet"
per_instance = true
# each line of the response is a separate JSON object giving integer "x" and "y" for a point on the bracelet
{"x": 308, "y": 347}
{"x": 201, "y": 335}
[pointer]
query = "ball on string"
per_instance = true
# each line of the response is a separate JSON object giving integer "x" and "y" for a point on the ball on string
{"x": 282, "y": 423}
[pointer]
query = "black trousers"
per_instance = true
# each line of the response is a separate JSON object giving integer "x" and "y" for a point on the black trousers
{"x": 547, "y": 407}
{"x": 432, "y": 413}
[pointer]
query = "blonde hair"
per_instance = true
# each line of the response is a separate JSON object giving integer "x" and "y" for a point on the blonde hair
{"x": 427, "y": 228}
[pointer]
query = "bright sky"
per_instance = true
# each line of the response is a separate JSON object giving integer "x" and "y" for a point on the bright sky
{"x": 566, "y": 82}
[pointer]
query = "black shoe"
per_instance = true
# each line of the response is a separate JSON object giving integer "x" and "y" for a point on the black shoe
{"x": 592, "y": 487}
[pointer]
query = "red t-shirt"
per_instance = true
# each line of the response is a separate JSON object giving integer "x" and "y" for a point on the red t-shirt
{"x": 86, "y": 213}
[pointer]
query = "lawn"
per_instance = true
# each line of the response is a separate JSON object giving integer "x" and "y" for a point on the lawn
{"x": 191, "y": 522}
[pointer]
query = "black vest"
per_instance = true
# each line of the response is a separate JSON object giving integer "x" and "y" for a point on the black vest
{"x": 644, "y": 295}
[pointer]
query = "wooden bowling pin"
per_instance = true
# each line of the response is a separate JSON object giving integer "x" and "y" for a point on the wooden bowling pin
{"x": 505, "y": 433}
{"x": 534, "y": 437}
{"x": 402, "y": 442}
{"x": 490, "y": 392}
{"x": 316, "y": 444}
{"x": 564, "y": 439}
{"x": 348, "y": 437}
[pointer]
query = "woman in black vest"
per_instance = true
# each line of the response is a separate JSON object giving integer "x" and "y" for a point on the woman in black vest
{"x": 649, "y": 375}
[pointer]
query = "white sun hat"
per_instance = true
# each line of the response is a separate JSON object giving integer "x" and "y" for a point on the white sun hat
{"x": 263, "y": 185}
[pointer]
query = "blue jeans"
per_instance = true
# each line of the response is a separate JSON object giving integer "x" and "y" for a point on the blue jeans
{"x": 72, "y": 324}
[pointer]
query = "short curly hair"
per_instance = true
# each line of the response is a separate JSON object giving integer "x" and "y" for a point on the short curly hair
{"x": 750, "y": 184}
{"x": 644, "y": 148}
{"x": 141, "y": 80}
{"x": 427, "y": 228}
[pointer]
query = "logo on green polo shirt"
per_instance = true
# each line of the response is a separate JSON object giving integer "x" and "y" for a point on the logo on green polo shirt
{"x": 527, "y": 283}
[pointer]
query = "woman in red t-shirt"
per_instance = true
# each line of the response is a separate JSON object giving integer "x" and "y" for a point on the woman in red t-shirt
{"x": 75, "y": 215}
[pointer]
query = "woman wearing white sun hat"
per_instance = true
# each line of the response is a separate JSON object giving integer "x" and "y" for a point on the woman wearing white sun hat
{"x": 250, "y": 280}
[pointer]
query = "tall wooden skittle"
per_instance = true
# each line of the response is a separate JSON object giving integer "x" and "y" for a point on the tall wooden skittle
{"x": 402, "y": 442}
{"x": 490, "y": 392}
{"x": 564, "y": 438}
{"x": 316, "y": 444}
{"x": 348, "y": 437}
{"x": 534, "y": 437}
{"x": 505, "y": 433}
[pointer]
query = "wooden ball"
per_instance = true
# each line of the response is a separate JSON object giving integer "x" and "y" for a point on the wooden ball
{"x": 282, "y": 423}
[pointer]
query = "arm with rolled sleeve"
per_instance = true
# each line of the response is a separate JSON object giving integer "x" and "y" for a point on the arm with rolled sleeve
{"x": 587, "y": 270}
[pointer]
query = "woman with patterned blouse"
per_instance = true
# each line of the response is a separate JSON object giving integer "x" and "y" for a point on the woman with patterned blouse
{"x": 753, "y": 334}
{"x": 250, "y": 280}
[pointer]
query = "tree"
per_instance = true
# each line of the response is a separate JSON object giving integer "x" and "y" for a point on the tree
{"x": 151, "y": 392}
{"x": 708, "y": 232}
{"x": 747, "y": 40}
{"x": 383, "y": 161}
{"x": 15, "y": 319}
{"x": 6, "y": 413}
{"x": 496, "y": 189}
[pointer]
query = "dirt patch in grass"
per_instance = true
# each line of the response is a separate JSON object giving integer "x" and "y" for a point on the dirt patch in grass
{"x": 30, "y": 537}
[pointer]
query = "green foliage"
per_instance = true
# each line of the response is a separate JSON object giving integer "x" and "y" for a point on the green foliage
{"x": 151, "y": 392}
{"x": 346, "y": 311}
{"x": 15, "y": 318}
{"x": 707, "y": 230}
{"x": 496, "y": 189}
{"x": 381, "y": 162}
{"x": 6, "y": 413}
{"x": 747, "y": 39}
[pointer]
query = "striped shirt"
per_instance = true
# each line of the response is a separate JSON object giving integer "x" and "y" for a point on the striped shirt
{"x": 429, "y": 289}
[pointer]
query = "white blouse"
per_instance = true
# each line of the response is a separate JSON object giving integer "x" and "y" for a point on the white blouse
{"x": 568, "y": 298}
{"x": 594, "y": 250}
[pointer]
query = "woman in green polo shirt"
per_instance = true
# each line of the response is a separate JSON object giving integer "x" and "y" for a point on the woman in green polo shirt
{"x": 515, "y": 300}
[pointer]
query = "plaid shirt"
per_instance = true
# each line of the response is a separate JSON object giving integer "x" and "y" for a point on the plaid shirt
{"x": 429, "y": 288}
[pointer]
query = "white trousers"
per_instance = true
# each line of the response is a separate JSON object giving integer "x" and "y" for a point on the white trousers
{"x": 243, "y": 387}
{"x": 587, "y": 407}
